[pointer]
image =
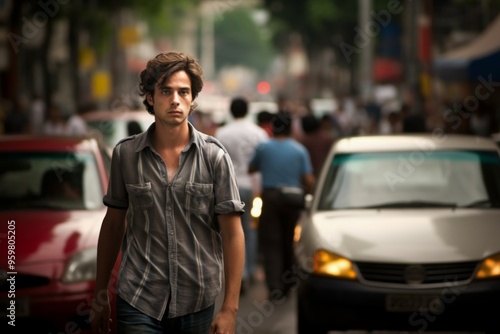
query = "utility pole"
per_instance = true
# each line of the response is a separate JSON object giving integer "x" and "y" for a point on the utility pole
{"x": 365, "y": 78}
{"x": 207, "y": 41}
{"x": 412, "y": 11}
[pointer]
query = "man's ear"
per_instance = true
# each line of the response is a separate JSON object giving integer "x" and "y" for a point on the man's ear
{"x": 149, "y": 98}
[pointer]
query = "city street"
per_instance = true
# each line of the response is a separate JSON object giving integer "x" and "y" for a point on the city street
{"x": 257, "y": 315}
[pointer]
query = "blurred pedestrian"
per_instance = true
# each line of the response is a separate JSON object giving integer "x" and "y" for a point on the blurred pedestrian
{"x": 413, "y": 120}
{"x": 17, "y": 118}
{"x": 286, "y": 171}
{"x": 173, "y": 200}
{"x": 317, "y": 141}
{"x": 37, "y": 114}
{"x": 264, "y": 118}
{"x": 55, "y": 124}
{"x": 240, "y": 137}
{"x": 64, "y": 123}
{"x": 76, "y": 125}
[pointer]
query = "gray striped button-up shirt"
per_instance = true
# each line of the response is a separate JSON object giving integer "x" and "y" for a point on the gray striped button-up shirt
{"x": 172, "y": 249}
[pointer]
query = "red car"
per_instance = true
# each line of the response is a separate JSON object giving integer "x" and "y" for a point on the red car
{"x": 51, "y": 210}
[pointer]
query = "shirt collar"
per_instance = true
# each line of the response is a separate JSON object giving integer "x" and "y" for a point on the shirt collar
{"x": 145, "y": 139}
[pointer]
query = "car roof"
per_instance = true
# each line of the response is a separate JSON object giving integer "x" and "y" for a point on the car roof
{"x": 14, "y": 143}
{"x": 418, "y": 142}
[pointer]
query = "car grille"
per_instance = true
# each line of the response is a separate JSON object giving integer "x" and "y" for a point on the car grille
{"x": 435, "y": 273}
{"x": 25, "y": 282}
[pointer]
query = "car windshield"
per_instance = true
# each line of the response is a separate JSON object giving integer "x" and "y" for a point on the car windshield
{"x": 48, "y": 180}
{"x": 412, "y": 179}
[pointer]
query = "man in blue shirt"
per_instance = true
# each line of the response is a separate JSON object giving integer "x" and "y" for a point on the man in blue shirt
{"x": 283, "y": 163}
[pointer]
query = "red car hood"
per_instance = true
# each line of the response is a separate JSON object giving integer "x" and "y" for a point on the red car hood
{"x": 41, "y": 236}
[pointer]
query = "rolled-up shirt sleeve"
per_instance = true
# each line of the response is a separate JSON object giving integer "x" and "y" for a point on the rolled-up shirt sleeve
{"x": 227, "y": 196}
{"x": 116, "y": 196}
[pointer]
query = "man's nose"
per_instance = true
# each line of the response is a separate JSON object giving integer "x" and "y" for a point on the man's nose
{"x": 175, "y": 99}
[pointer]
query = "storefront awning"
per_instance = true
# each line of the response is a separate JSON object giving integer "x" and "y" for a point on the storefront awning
{"x": 479, "y": 58}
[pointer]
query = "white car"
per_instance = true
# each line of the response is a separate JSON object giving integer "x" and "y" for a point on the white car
{"x": 112, "y": 126}
{"x": 402, "y": 233}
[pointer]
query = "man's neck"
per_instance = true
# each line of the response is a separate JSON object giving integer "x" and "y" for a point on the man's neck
{"x": 281, "y": 137}
{"x": 171, "y": 137}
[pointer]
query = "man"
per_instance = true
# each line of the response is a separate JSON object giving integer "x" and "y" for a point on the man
{"x": 284, "y": 164}
{"x": 317, "y": 142}
{"x": 177, "y": 191}
{"x": 240, "y": 137}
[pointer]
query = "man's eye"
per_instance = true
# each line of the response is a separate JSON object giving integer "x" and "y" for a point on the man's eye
{"x": 184, "y": 92}
{"x": 165, "y": 92}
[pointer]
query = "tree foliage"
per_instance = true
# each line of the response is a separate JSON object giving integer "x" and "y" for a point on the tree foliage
{"x": 239, "y": 41}
{"x": 321, "y": 23}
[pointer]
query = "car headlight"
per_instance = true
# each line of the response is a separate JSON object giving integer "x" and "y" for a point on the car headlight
{"x": 81, "y": 267}
{"x": 256, "y": 207}
{"x": 326, "y": 263}
{"x": 490, "y": 267}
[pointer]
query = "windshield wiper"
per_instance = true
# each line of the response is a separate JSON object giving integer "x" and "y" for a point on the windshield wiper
{"x": 412, "y": 204}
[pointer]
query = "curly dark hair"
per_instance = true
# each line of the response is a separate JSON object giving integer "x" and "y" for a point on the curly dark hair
{"x": 160, "y": 69}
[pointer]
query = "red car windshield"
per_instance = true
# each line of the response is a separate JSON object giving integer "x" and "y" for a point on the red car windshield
{"x": 49, "y": 181}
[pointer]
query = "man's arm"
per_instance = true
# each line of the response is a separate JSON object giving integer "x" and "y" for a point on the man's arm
{"x": 309, "y": 181}
{"x": 233, "y": 247}
{"x": 110, "y": 239}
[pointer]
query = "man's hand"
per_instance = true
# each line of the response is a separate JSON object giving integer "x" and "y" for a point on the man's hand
{"x": 224, "y": 322}
{"x": 100, "y": 315}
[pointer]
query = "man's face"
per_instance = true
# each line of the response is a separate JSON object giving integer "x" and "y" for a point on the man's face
{"x": 172, "y": 101}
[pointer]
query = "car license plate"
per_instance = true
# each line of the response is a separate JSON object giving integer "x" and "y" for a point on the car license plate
{"x": 21, "y": 307}
{"x": 408, "y": 303}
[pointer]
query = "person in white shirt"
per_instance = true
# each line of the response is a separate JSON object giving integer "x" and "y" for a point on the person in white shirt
{"x": 55, "y": 123}
{"x": 76, "y": 126}
{"x": 58, "y": 124}
{"x": 37, "y": 114}
{"x": 240, "y": 137}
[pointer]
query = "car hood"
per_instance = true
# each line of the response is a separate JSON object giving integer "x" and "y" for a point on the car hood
{"x": 408, "y": 236}
{"x": 42, "y": 236}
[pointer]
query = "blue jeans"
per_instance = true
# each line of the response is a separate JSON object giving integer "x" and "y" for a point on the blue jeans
{"x": 132, "y": 321}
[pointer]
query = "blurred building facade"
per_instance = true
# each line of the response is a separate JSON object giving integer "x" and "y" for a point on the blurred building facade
{"x": 49, "y": 49}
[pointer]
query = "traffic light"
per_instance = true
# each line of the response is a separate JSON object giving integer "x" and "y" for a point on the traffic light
{"x": 263, "y": 87}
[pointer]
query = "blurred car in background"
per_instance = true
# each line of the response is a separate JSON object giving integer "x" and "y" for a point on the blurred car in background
{"x": 112, "y": 126}
{"x": 402, "y": 234}
{"x": 496, "y": 138}
{"x": 51, "y": 208}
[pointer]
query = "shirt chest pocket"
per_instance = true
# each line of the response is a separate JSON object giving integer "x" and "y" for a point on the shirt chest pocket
{"x": 140, "y": 195}
{"x": 199, "y": 197}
